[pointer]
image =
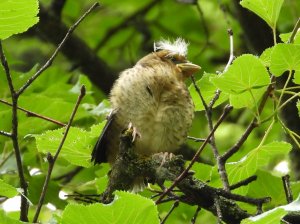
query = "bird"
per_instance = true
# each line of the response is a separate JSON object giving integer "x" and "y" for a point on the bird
{"x": 152, "y": 97}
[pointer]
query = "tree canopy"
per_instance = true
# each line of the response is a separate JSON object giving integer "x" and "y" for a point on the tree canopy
{"x": 241, "y": 161}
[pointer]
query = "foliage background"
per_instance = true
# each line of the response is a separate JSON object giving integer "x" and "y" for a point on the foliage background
{"x": 119, "y": 33}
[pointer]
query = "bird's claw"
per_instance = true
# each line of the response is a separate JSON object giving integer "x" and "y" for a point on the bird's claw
{"x": 135, "y": 133}
{"x": 165, "y": 156}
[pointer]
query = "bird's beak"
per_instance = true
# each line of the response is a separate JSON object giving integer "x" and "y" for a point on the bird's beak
{"x": 188, "y": 68}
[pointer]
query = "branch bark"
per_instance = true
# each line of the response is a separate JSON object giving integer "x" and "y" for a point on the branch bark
{"x": 159, "y": 168}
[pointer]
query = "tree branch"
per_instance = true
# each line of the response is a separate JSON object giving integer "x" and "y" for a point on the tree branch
{"x": 61, "y": 44}
{"x": 250, "y": 127}
{"x": 33, "y": 114}
{"x": 14, "y": 137}
{"x": 4, "y": 133}
{"x": 75, "y": 49}
{"x": 158, "y": 168}
{"x": 287, "y": 188}
{"x": 53, "y": 159}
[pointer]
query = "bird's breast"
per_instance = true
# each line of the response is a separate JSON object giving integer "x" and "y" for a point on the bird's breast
{"x": 161, "y": 112}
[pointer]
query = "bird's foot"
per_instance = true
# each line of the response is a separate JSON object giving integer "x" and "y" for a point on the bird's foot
{"x": 166, "y": 156}
{"x": 135, "y": 133}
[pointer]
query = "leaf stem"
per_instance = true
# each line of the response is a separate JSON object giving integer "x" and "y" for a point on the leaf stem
{"x": 291, "y": 133}
{"x": 285, "y": 86}
{"x": 255, "y": 105}
{"x": 274, "y": 34}
{"x": 294, "y": 32}
{"x": 266, "y": 134}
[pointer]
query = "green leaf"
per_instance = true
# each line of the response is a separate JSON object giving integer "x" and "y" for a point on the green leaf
{"x": 77, "y": 147}
{"x": 17, "y": 16}
{"x": 296, "y": 79}
{"x": 35, "y": 186}
{"x": 275, "y": 215}
{"x": 247, "y": 99}
{"x": 101, "y": 184}
{"x": 49, "y": 107}
{"x": 202, "y": 171}
{"x": 285, "y": 57}
{"x": 255, "y": 159}
{"x": 247, "y": 78}
{"x": 269, "y": 217}
{"x": 265, "y": 57}
{"x": 4, "y": 219}
{"x": 208, "y": 92}
{"x": 286, "y": 36}
{"x": 7, "y": 190}
{"x": 267, "y": 185}
{"x": 127, "y": 208}
{"x": 101, "y": 110}
{"x": 268, "y": 10}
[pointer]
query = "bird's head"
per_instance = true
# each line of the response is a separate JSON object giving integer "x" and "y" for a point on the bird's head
{"x": 172, "y": 57}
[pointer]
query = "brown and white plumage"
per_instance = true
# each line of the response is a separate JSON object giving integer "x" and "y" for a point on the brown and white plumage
{"x": 152, "y": 96}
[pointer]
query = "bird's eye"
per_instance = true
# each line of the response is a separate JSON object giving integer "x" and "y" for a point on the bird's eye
{"x": 172, "y": 59}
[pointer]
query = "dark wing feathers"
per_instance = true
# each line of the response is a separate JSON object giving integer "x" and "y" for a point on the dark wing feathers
{"x": 99, "y": 151}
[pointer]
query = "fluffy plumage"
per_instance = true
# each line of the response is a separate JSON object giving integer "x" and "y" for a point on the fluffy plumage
{"x": 179, "y": 46}
{"x": 154, "y": 98}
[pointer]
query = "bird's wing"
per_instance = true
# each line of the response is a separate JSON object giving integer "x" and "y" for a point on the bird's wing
{"x": 99, "y": 151}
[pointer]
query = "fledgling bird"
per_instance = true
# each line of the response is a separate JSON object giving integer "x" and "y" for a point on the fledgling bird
{"x": 153, "y": 97}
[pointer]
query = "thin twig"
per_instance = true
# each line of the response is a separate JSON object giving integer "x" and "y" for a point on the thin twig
{"x": 67, "y": 177}
{"x": 250, "y": 127}
{"x": 243, "y": 182}
{"x": 175, "y": 205}
{"x": 249, "y": 200}
{"x": 208, "y": 112}
{"x": 231, "y": 57}
{"x": 88, "y": 198}
{"x": 218, "y": 209}
{"x": 240, "y": 142}
{"x": 51, "y": 59}
{"x": 193, "y": 221}
{"x": 6, "y": 158}
{"x": 196, "y": 139}
{"x": 14, "y": 137}
{"x": 33, "y": 114}
{"x": 170, "y": 198}
{"x": 212, "y": 142}
{"x": 199, "y": 93}
{"x": 287, "y": 188}
{"x": 294, "y": 32}
{"x": 226, "y": 111}
{"x": 4, "y": 133}
{"x": 53, "y": 159}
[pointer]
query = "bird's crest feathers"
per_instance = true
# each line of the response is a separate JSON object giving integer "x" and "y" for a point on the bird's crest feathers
{"x": 179, "y": 46}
